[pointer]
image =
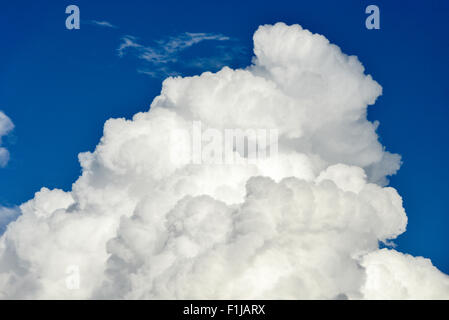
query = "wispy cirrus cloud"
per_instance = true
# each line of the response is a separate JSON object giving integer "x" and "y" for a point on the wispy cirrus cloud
{"x": 127, "y": 42}
{"x": 161, "y": 57}
{"x": 105, "y": 24}
{"x": 188, "y": 39}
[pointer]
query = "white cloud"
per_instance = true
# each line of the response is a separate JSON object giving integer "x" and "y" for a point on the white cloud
{"x": 141, "y": 223}
{"x": 6, "y": 216}
{"x": 6, "y": 126}
{"x": 127, "y": 42}
{"x": 103, "y": 24}
{"x": 393, "y": 275}
{"x": 188, "y": 39}
{"x": 165, "y": 52}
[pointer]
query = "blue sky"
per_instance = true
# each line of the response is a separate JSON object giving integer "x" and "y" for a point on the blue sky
{"x": 59, "y": 86}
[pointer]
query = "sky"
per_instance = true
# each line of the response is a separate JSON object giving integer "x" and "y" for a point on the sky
{"x": 59, "y": 86}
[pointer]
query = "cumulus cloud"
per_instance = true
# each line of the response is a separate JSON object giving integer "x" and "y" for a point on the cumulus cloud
{"x": 6, "y": 126}
{"x": 143, "y": 221}
{"x": 161, "y": 58}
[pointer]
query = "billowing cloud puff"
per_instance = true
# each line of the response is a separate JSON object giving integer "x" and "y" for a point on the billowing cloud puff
{"x": 393, "y": 275}
{"x": 6, "y": 126}
{"x": 145, "y": 221}
{"x": 6, "y": 216}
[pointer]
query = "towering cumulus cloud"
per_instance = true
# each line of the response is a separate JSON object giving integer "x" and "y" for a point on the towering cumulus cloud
{"x": 144, "y": 221}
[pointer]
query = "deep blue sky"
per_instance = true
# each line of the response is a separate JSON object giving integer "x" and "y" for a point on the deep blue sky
{"x": 59, "y": 86}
